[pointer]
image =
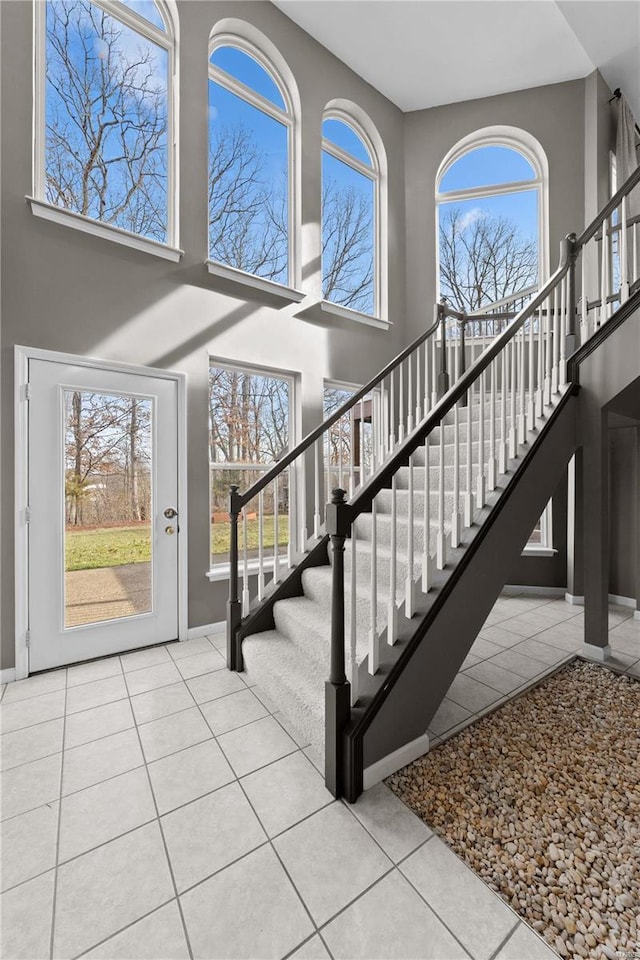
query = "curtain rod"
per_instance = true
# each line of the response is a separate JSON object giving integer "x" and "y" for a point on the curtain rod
{"x": 617, "y": 93}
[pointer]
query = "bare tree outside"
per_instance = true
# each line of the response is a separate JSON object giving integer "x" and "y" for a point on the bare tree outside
{"x": 106, "y": 119}
{"x": 347, "y": 247}
{"x": 483, "y": 258}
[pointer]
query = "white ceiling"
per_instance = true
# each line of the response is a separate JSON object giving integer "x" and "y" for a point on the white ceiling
{"x": 422, "y": 53}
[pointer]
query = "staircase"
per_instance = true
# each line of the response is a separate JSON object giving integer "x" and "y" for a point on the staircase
{"x": 446, "y": 481}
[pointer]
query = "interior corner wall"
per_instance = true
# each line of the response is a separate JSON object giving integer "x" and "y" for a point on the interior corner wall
{"x": 624, "y": 496}
{"x": 599, "y": 140}
{"x": 67, "y": 291}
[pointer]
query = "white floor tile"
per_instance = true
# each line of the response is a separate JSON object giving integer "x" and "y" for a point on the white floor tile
{"x": 201, "y": 663}
{"x": 285, "y": 792}
{"x": 27, "y": 787}
{"x": 209, "y": 834}
{"x": 255, "y": 745}
{"x": 109, "y": 888}
{"x": 160, "y": 936}
{"x": 219, "y": 641}
{"x": 493, "y": 675}
{"x": 526, "y": 945}
{"x": 233, "y": 711}
{"x": 29, "y": 844}
{"x": 540, "y": 651}
{"x": 189, "y": 774}
{"x": 364, "y": 929}
{"x": 210, "y": 686}
{"x": 313, "y": 949}
{"x": 104, "y": 811}
{"x": 249, "y": 910}
{"x": 35, "y": 686}
{"x": 31, "y": 743}
{"x": 331, "y": 860}
{"x": 448, "y": 715}
{"x": 94, "y": 670}
{"x": 471, "y": 694}
{"x": 389, "y": 821}
{"x": 140, "y": 659}
{"x": 476, "y": 916}
{"x": 97, "y": 722}
{"x": 150, "y": 678}
{"x": 169, "y": 734}
{"x": 161, "y": 702}
{"x": 97, "y": 761}
{"x": 26, "y": 713}
{"x": 94, "y": 694}
{"x": 27, "y": 910}
{"x": 500, "y": 636}
{"x": 188, "y": 648}
{"x": 519, "y": 663}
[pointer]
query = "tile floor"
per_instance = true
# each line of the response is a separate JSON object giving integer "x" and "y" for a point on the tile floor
{"x": 155, "y": 806}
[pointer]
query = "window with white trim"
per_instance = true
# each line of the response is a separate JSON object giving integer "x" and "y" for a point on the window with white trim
{"x": 351, "y": 234}
{"x": 491, "y": 218}
{"x": 104, "y": 113}
{"x": 541, "y": 537}
{"x": 250, "y": 427}
{"x": 251, "y": 122}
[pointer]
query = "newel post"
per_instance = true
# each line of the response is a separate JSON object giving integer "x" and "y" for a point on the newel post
{"x": 443, "y": 376}
{"x": 337, "y": 689}
{"x": 572, "y": 254}
{"x": 234, "y": 607}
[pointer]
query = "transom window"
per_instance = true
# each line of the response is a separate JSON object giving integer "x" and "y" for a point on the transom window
{"x": 250, "y": 130}
{"x": 490, "y": 221}
{"x": 250, "y": 426}
{"x": 105, "y": 109}
{"x": 350, "y": 216}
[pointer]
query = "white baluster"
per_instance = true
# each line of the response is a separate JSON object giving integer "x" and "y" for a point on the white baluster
{"x": 303, "y": 503}
{"x": 340, "y": 441}
{"x": 563, "y": 330}
{"x": 373, "y": 591}
{"x": 245, "y": 566}
{"x": 361, "y": 476}
{"x": 353, "y": 621}
{"x": 409, "y": 605}
{"x": 548, "y": 356}
{"x": 522, "y": 387}
{"x": 540, "y": 366}
{"x": 426, "y": 519}
{"x": 531, "y": 372}
{"x": 352, "y": 450}
{"x": 418, "y": 386}
{"x": 409, "y": 394}
{"x": 441, "y": 545}
{"x": 427, "y": 369}
{"x": 513, "y": 385}
{"x": 434, "y": 373}
{"x": 503, "y": 452}
{"x": 480, "y": 479}
{"x": 584, "y": 311}
{"x": 492, "y": 462}
{"x": 401, "y": 433}
{"x": 316, "y": 484}
{"x": 392, "y": 620}
{"x": 261, "y": 546}
{"x": 392, "y": 413}
{"x": 604, "y": 276}
{"x": 455, "y": 516}
{"x": 468, "y": 496}
{"x": 276, "y": 536}
{"x": 291, "y": 514}
{"x": 555, "y": 373}
{"x": 622, "y": 253}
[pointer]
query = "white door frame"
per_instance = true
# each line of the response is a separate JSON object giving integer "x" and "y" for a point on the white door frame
{"x": 22, "y": 356}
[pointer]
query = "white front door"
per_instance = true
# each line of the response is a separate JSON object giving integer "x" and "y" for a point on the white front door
{"x": 103, "y": 528}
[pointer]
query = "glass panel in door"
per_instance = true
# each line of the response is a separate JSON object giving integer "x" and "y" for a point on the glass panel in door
{"x": 108, "y": 510}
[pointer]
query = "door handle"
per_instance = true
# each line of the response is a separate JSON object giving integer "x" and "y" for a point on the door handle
{"x": 170, "y": 513}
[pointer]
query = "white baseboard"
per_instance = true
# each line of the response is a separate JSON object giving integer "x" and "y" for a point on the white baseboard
{"x": 8, "y": 675}
{"x": 591, "y": 652}
{"x": 576, "y": 601}
{"x": 206, "y": 630}
{"x": 395, "y": 761}
{"x": 513, "y": 589}
{"x": 636, "y": 615}
{"x": 622, "y": 601}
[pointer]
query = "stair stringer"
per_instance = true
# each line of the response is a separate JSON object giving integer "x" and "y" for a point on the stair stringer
{"x": 449, "y": 618}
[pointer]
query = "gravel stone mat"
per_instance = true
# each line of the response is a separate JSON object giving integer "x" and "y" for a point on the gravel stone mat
{"x": 541, "y": 798}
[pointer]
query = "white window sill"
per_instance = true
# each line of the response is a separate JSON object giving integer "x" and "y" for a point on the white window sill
{"x": 48, "y": 211}
{"x": 240, "y": 279}
{"x": 536, "y": 551}
{"x": 315, "y": 311}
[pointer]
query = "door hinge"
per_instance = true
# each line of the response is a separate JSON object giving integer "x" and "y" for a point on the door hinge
{"x": 27, "y": 514}
{"x": 28, "y": 638}
{"x": 27, "y": 391}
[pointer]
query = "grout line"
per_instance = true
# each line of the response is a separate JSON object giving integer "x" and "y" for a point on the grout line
{"x": 436, "y": 915}
{"x": 122, "y": 929}
{"x": 164, "y": 842}
{"x": 54, "y": 901}
{"x": 505, "y": 941}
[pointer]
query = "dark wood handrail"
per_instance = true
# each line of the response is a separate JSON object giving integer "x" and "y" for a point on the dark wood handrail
{"x": 607, "y": 210}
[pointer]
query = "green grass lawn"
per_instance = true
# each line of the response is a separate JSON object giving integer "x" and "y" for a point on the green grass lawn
{"x": 113, "y": 546}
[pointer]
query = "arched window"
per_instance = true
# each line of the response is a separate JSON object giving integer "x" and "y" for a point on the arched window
{"x": 251, "y": 124}
{"x": 105, "y": 115}
{"x": 351, "y": 215}
{"x": 491, "y": 217}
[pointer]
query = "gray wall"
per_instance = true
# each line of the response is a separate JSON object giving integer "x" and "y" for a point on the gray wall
{"x": 624, "y": 493}
{"x": 67, "y": 291}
